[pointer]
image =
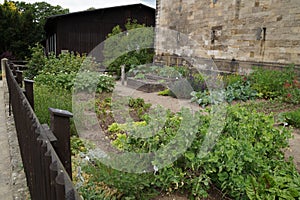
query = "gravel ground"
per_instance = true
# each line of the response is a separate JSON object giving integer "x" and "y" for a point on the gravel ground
{"x": 18, "y": 179}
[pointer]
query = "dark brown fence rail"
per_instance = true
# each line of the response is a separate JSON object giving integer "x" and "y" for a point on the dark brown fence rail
{"x": 47, "y": 177}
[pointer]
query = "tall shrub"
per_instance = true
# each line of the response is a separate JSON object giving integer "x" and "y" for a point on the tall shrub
{"x": 129, "y": 48}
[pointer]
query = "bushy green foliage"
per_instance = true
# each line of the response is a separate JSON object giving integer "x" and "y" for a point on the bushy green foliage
{"x": 36, "y": 63}
{"x": 63, "y": 63}
{"x": 239, "y": 90}
{"x": 291, "y": 92}
{"x": 94, "y": 82}
{"x": 62, "y": 72}
{"x": 247, "y": 161}
{"x": 125, "y": 186}
{"x": 61, "y": 80}
{"x": 293, "y": 118}
{"x": 130, "y": 48}
{"x": 270, "y": 83}
{"x": 230, "y": 79}
{"x": 158, "y": 71}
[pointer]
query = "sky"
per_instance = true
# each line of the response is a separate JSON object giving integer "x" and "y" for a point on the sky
{"x": 80, "y": 5}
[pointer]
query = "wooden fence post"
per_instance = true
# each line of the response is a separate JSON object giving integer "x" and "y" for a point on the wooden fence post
{"x": 123, "y": 74}
{"x": 19, "y": 77}
{"x": 60, "y": 126}
{"x": 29, "y": 92}
{"x": 4, "y": 62}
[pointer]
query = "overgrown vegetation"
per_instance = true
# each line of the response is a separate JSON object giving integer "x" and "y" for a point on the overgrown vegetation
{"x": 250, "y": 165}
{"x": 130, "y": 48}
{"x": 261, "y": 83}
{"x": 62, "y": 71}
{"x": 272, "y": 83}
{"x": 55, "y": 80}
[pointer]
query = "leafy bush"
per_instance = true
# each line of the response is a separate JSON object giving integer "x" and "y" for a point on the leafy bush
{"x": 270, "y": 83}
{"x": 250, "y": 164}
{"x": 291, "y": 92}
{"x": 60, "y": 80}
{"x": 138, "y": 37}
{"x": 37, "y": 61}
{"x": 63, "y": 63}
{"x": 159, "y": 71}
{"x": 60, "y": 72}
{"x": 94, "y": 81}
{"x": 232, "y": 79}
{"x": 119, "y": 185}
{"x": 293, "y": 118}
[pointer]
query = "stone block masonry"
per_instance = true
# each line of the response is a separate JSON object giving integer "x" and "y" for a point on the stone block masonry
{"x": 243, "y": 30}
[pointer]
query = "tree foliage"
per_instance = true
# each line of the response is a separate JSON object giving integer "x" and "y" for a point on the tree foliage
{"x": 22, "y": 25}
{"x": 131, "y": 48}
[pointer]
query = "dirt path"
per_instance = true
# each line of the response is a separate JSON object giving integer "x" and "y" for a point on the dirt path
{"x": 167, "y": 102}
{"x": 294, "y": 149}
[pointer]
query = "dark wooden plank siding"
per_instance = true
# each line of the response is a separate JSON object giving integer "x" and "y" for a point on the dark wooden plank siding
{"x": 81, "y": 32}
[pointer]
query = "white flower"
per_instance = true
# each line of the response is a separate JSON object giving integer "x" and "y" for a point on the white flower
{"x": 155, "y": 169}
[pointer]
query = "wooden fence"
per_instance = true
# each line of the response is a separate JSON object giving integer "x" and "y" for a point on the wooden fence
{"x": 45, "y": 151}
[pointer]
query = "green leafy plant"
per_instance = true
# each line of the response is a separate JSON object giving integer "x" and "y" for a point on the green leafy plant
{"x": 94, "y": 81}
{"x": 270, "y": 83}
{"x": 291, "y": 92}
{"x": 61, "y": 71}
{"x": 293, "y": 118}
{"x": 247, "y": 161}
{"x": 232, "y": 79}
{"x": 60, "y": 80}
{"x": 240, "y": 90}
{"x": 244, "y": 162}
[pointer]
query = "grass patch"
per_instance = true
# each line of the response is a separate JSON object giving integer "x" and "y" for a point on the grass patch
{"x": 46, "y": 97}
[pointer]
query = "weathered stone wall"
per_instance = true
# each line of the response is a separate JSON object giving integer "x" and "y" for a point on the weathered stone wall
{"x": 244, "y": 30}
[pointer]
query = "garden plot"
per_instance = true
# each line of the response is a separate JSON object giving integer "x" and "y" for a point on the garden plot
{"x": 246, "y": 162}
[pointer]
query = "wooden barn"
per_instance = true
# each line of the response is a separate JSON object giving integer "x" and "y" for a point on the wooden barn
{"x": 82, "y": 31}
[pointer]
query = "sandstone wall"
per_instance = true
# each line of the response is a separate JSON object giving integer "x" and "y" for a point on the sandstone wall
{"x": 244, "y": 30}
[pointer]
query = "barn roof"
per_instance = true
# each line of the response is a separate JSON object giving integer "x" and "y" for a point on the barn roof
{"x": 116, "y": 3}
{"x": 107, "y": 5}
{"x": 110, "y": 4}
